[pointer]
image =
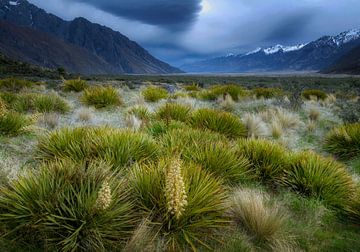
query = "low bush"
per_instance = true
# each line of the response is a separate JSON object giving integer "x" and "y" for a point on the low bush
{"x": 192, "y": 87}
{"x": 76, "y": 85}
{"x": 267, "y": 93}
{"x": 69, "y": 207}
{"x": 101, "y": 97}
{"x": 184, "y": 203}
{"x": 120, "y": 148}
{"x": 218, "y": 121}
{"x": 13, "y": 123}
{"x": 344, "y": 141}
{"x": 320, "y": 95}
{"x": 319, "y": 177}
{"x": 268, "y": 160}
{"x": 154, "y": 94}
{"x": 15, "y": 85}
{"x": 216, "y": 91}
{"x": 174, "y": 111}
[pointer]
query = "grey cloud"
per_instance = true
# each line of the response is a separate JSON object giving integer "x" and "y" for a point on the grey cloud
{"x": 173, "y": 14}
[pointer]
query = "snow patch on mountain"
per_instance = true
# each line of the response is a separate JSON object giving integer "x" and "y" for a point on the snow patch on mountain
{"x": 277, "y": 48}
{"x": 14, "y": 3}
{"x": 346, "y": 37}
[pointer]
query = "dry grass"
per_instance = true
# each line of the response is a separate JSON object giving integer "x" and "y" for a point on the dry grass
{"x": 227, "y": 103}
{"x": 85, "y": 115}
{"x": 254, "y": 125}
{"x": 314, "y": 114}
{"x": 262, "y": 220}
{"x": 49, "y": 120}
{"x": 311, "y": 126}
{"x": 276, "y": 129}
{"x": 132, "y": 122}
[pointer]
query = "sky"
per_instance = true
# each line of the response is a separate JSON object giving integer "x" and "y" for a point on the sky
{"x": 183, "y": 31}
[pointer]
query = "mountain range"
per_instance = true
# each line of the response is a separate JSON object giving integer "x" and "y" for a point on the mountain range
{"x": 30, "y": 34}
{"x": 322, "y": 54}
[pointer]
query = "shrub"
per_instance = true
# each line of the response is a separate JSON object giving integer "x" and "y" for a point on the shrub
{"x": 321, "y": 178}
{"x": 218, "y": 121}
{"x": 185, "y": 203}
{"x": 344, "y": 141}
{"x": 119, "y": 148}
{"x": 76, "y": 85}
{"x": 154, "y": 94}
{"x": 219, "y": 159}
{"x": 101, "y": 97}
{"x": 192, "y": 87}
{"x": 267, "y": 93}
{"x": 69, "y": 207}
{"x": 13, "y": 123}
{"x": 15, "y": 85}
{"x": 174, "y": 111}
{"x": 262, "y": 219}
{"x": 320, "y": 95}
{"x": 268, "y": 160}
{"x": 221, "y": 90}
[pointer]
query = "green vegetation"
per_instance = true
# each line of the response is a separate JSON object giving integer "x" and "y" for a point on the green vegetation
{"x": 217, "y": 91}
{"x": 321, "y": 178}
{"x": 69, "y": 206}
{"x": 221, "y": 172}
{"x": 344, "y": 142}
{"x": 218, "y": 121}
{"x": 13, "y": 123}
{"x": 15, "y": 85}
{"x": 318, "y": 94}
{"x": 101, "y": 97}
{"x": 118, "y": 147}
{"x": 269, "y": 161}
{"x": 154, "y": 94}
{"x": 174, "y": 111}
{"x": 75, "y": 85}
{"x": 267, "y": 93}
{"x": 185, "y": 204}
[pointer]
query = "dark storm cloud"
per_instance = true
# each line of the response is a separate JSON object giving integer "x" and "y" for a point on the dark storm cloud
{"x": 174, "y": 14}
{"x": 290, "y": 27}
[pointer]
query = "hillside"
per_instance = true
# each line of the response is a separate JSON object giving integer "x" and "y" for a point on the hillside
{"x": 348, "y": 64}
{"x": 88, "y": 47}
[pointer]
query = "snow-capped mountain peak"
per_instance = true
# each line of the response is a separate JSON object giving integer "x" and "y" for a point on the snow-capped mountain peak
{"x": 346, "y": 37}
{"x": 277, "y": 48}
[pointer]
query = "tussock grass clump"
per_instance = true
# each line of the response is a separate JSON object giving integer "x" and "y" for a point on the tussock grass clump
{"x": 15, "y": 85}
{"x": 176, "y": 140}
{"x": 119, "y": 148}
{"x": 85, "y": 115}
{"x": 216, "y": 91}
{"x": 141, "y": 112}
{"x": 254, "y": 125}
{"x": 267, "y": 93}
{"x": 159, "y": 128}
{"x": 314, "y": 114}
{"x": 268, "y": 160}
{"x": 344, "y": 141}
{"x": 227, "y": 103}
{"x": 101, "y": 97}
{"x": 192, "y": 87}
{"x": 185, "y": 203}
{"x": 260, "y": 218}
{"x": 219, "y": 159}
{"x": 69, "y": 207}
{"x": 49, "y": 120}
{"x": 154, "y": 94}
{"x": 13, "y": 123}
{"x": 319, "y": 177}
{"x": 3, "y": 107}
{"x": 320, "y": 95}
{"x": 76, "y": 85}
{"x": 218, "y": 121}
{"x": 174, "y": 111}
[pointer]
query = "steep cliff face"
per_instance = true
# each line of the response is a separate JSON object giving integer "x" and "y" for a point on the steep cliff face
{"x": 105, "y": 50}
